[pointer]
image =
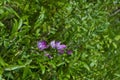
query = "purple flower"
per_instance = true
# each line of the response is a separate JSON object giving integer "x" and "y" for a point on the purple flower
{"x": 57, "y": 45}
{"x": 69, "y": 52}
{"x": 61, "y": 47}
{"x": 48, "y": 55}
{"x": 53, "y": 44}
{"x": 42, "y": 45}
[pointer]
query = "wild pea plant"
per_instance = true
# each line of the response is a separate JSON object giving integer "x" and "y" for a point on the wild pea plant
{"x": 57, "y": 54}
{"x": 42, "y": 45}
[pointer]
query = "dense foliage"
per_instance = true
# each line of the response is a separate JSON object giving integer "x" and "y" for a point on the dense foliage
{"x": 90, "y": 28}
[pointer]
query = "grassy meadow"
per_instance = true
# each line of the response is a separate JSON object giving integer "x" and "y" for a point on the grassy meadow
{"x": 59, "y": 40}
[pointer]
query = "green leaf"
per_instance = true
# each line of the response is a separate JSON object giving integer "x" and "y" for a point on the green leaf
{"x": 52, "y": 64}
{"x": 12, "y": 11}
{"x": 60, "y": 64}
{"x": 118, "y": 75}
{"x": 14, "y": 67}
{"x": 86, "y": 66}
{"x": 2, "y": 63}
{"x": 20, "y": 23}
{"x": 17, "y": 25}
{"x": 114, "y": 44}
{"x": 1, "y": 24}
{"x": 117, "y": 37}
{"x": 42, "y": 68}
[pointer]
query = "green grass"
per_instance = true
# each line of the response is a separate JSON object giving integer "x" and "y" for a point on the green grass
{"x": 89, "y": 28}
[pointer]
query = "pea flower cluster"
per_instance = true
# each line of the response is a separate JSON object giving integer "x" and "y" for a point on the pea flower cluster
{"x": 61, "y": 48}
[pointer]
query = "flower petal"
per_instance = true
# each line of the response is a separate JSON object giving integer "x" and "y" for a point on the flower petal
{"x": 53, "y": 44}
{"x": 42, "y": 45}
{"x": 61, "y": 47}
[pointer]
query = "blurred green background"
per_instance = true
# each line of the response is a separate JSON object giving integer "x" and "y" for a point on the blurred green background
{"x": 91, "y": 28}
